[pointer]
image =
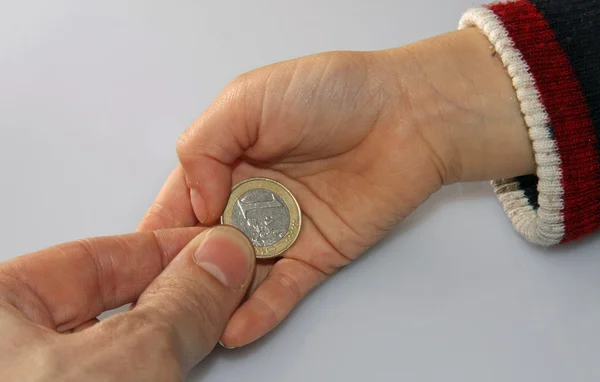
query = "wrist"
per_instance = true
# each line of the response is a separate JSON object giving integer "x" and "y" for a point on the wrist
{"x": 464, "y": 105}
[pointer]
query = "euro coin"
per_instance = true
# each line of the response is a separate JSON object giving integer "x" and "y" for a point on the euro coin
{"x": 267, "y": 213}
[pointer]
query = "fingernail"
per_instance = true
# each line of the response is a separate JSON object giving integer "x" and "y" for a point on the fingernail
{"x": 225, "y": 346}
{"x": 226, "y": 254}
{"x": 198, "y": 205}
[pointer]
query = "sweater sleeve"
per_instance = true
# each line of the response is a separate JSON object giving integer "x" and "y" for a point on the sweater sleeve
{"x": 551, "y": 50}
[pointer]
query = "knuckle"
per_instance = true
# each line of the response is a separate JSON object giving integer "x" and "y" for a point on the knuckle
{"x": 193, "y": 143}
{"x": 241, "y": 94}
{"x": 164, "y": 213}
{"x": 183, "y": 146}
{"x": 289, "y": 284}
{"x": 140, "y": 341}
{"x": 238, "y": 85}
{"x": 148, "y": 332}
{"x": 271, "y": 316}
{"x": 343, "y": 62}
{"x": 189, "y": 297}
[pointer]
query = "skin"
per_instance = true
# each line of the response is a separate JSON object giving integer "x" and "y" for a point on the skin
{"x": 49, "y": 301}
{"x": 360, "y": 138}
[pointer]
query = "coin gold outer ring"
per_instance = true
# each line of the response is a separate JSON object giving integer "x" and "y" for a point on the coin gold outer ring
{"x": 290, "y": 202}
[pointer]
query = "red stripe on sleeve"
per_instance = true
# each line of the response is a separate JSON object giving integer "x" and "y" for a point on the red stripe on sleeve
{"x": 569, "y": 115}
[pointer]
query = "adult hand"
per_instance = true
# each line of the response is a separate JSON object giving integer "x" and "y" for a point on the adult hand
{"x": 360, "y": 138}
{"x": 49, "y": 301}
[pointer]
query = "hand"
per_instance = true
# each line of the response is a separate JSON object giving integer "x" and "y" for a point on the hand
{"x": 49, "y": 301}
{"x": 361, "y": 140}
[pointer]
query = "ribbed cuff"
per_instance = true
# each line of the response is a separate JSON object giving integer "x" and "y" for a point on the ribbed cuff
{"x": 562, "y": 200}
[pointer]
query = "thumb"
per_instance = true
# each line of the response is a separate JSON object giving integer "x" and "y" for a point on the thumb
{"x": 199, "y": 290}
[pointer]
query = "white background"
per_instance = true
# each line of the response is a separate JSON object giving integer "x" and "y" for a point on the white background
{"x": 93, "y": 96}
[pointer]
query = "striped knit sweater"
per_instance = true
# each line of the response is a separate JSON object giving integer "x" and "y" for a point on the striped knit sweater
{"x": 552, "y": 53}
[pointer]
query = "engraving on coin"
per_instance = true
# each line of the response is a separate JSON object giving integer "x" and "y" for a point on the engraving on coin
{"x": 262, "y": 216}
{"x": 267, "y": 213}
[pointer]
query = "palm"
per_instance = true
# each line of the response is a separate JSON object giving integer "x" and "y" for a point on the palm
{"x": 327, "y": 130}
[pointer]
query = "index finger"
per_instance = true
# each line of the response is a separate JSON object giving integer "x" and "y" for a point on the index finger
{"x": 63, "y": 286}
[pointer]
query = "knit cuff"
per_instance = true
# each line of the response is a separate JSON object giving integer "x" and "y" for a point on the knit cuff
{"x": 562, "y": 200}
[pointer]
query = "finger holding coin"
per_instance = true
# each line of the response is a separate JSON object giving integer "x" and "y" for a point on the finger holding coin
{"x": 267, "y": 213}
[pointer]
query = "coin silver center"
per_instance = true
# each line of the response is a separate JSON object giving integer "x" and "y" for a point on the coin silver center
{"x": 262, "y": 215}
